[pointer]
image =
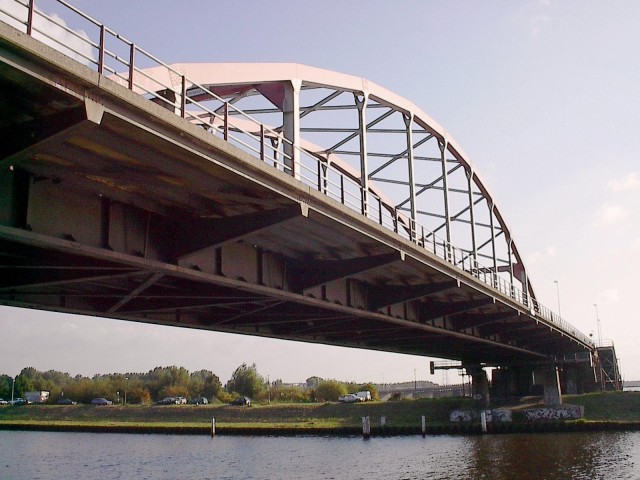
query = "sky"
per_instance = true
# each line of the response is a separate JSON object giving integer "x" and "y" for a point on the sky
{"x": 542, "y": 95}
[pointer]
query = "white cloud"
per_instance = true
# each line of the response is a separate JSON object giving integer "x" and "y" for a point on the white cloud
{"x": 53, "y": 32}
{"x": 533, "y": 18}
{"x": 541, "y": 255}
{"x": 609, "y": 215}
{"x": 630, "y": 182}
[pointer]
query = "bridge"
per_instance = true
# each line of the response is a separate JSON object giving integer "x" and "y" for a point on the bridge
{"x": 277, "y": 200}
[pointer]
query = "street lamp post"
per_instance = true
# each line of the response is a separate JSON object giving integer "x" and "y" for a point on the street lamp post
{"x": 598, "y": 322}
{"x": 13, "y": 386}
{"x": 558, "y": 296}
{"x": 126, "y": 381}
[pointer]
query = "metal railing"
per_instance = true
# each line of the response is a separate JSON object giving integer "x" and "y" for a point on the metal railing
{"x": 112, "y": 55}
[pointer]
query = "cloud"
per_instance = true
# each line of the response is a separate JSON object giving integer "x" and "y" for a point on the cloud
{"x": 52, "y": 31}
{"x": 608, "y": 215}
{"x": 630, "y": 182}
{"x": 540, "y": 255}
{"x": 532, "y": 18}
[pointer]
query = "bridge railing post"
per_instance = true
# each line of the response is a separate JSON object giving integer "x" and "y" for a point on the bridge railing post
{"x": 31, "y": 8}
{"x": 395, "y": 220}
{"x": 101, "y": 51}
{"x": 226, "y": 122}
{"x": 183, "y": 97}
{"x": 132, "y": 54}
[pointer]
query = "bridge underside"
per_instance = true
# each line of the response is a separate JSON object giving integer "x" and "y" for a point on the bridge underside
{"x": 112, "y": 206}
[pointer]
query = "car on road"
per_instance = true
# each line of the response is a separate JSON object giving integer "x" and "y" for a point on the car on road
{"x": 199, "y": 401}
{"x": 242, "y": 401}
{"x": 3, "y": 402}
{"x": 101, "y": 401}
{"x": 168, "y": 401}
{"x": 66, "y": 401}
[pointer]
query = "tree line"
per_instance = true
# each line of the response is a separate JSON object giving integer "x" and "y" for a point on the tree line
{"x": 162, "y": 382}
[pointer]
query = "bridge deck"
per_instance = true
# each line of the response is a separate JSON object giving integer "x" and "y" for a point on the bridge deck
{"x": 113, "y": 206}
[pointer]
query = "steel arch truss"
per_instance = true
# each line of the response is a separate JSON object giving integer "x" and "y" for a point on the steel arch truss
{"x": 405, "y": 170}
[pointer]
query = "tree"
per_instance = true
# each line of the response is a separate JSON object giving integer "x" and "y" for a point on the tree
{"x": 330, "y": 390}
{"x": 205, "y": 383}
{"x": 246, "y": 381}
{"x": 313, "y": 382}
{"x": 23, "y": 384}
{"x": 6, "y": 382}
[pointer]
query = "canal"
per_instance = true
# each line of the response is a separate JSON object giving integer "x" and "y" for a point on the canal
{"x": 48, "y": 455}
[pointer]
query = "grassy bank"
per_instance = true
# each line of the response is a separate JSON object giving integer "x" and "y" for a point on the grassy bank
{"x": 602, "y": 411}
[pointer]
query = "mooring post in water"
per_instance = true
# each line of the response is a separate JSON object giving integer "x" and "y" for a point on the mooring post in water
{"x": 424, "y": 426}
{"x": 383, "y": 421}
{"x": 213, "y": 426}
{"x": 366, "y": 427}
{"x": 483, "y": 421}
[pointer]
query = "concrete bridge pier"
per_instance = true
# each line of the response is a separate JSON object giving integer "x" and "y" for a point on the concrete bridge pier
{"x": 479, "y": 384}
{"x": 512, "y": 381}
{"x": 549, "y": 379}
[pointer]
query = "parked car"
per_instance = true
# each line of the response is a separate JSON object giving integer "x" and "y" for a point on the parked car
{"x": 181, "y": 401}
{"x": 66, "y": 401}
{"x": 241, "y": 401}
{"x": 199, "y": 401}
{"x": 101, "y": 401}
{"x": 18, "y": 401}
{"x": 168, "y": 401}
{"x": 350, "y": 398}
{"x": 3, "y": 402}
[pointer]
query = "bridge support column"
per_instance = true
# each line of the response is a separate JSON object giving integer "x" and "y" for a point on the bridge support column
{"x": 550, "y": 381}
{"x": 479, "y": 384}
{"x": 291, "y": 127}
{"x": 511, "y": 382}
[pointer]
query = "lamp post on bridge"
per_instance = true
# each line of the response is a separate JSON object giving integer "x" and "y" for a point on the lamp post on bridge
{"x": 558, "y": 297}
{"x": 598, "y": 323}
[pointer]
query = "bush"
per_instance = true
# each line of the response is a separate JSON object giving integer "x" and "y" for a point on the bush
{"x": 330, "y": 390}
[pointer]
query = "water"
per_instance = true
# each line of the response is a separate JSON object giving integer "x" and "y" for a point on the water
{"x": 48, "y": 455}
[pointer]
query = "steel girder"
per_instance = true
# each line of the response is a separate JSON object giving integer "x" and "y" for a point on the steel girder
{"x": 402, "y": 160}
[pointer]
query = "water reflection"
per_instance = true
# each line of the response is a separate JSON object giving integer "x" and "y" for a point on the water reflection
{"x": 44, "y": 455}
{"x": 555, "y": 456}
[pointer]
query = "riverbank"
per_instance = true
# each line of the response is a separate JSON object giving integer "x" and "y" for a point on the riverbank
{"x": 607, "y": 411}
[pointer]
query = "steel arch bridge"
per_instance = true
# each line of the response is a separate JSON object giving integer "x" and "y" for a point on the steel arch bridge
{"x": 268, "y": 199}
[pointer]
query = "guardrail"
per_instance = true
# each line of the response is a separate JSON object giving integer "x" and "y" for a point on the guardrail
{"x": 113, "y": 55}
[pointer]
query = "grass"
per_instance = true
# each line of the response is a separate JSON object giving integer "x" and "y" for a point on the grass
{"x": 315, "y": 415}
{"x": 610, "y": 406}
{"x": 401, "y": 416}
